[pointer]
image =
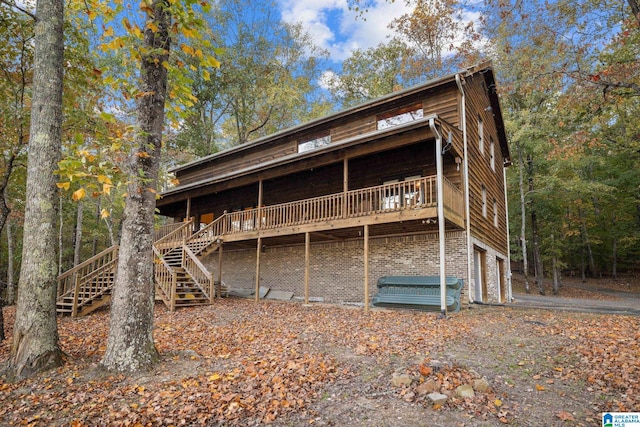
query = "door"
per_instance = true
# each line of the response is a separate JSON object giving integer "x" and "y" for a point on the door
{"x": 480, "y": 277}
{"x": 500, "y": 279}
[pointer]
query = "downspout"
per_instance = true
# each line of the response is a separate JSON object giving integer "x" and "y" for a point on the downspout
{"x": 465, "y": 172}
{"x": 440, "y": 208}
{"x": 506, "y": 208}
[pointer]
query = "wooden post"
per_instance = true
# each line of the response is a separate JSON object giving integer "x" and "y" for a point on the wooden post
{"x": 366, "y": 268}
{"x": 258, "y": 249}
{"x": 440, "y": 210}
{"x": 76, "y": 292}
{"x": 212, "y": 288}
{"x": 345, "y": 187}
{"x": 174, "y": 283}
{"x": 259, "y": 210}
{"x": 307, "y": 246}
{"x": 220, "y": 271}
{"x": 188, "y": 214}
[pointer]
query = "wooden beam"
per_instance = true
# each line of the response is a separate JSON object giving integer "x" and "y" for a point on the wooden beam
{"x": 328, "y": 236}
{"x": 188, "y": 213}
{"x": 345, "y": 186}
{"x": 307, "y": 250}
{"x": 258, "y": 250}
{"x": 219, "y": 295}
{"x": 366, "y": 268}
{"x": 259, "y": 213}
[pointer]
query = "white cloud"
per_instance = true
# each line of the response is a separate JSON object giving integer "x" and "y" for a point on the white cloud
{"x": 339, "y": 30}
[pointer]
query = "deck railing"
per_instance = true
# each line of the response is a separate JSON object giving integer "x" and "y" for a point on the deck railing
{"x": 174, "y": 238}
{"x": 166, "y": 279}
{"x": 392, "y": 197}
{"x": 78, "y": 275}
{"x": 199, "y": 273}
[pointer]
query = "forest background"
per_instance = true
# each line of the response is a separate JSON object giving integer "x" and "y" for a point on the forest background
{"x": 569, "y": 81}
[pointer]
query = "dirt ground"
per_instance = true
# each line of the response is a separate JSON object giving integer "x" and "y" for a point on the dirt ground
{"x": 284, "y": 364}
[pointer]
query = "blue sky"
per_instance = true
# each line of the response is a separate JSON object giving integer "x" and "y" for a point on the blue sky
{"x": 339, "y": 30}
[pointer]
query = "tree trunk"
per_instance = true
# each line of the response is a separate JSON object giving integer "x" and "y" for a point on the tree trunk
{"x": 587, "y": 243}
{"x": 11, "y": 286}
{"x": 94, "y": 243}
{"x": 35, "y": 337}
{"x": 60, "y": 236}
{"x": 523, "y": 221}
{"x": 2, "y": 337}
{"x": 539, "y": 272}
{"x": 556, "y": 276}
{"x": 635, "y": 9}
{"x": 77, "y": 249}
{"x": 130, "y": 344}
{"x": 614, "y": 261}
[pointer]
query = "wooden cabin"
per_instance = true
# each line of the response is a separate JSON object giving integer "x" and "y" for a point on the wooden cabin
{"x": 409, "y": 184}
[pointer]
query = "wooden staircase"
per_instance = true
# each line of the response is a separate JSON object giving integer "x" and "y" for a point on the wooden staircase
{"x": 181, "y": 278}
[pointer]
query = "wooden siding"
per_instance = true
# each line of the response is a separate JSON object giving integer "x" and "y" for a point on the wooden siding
{"x": 355, "y": 127}
{"x": 445, "y": 103}
{"x": 480, "y": 171}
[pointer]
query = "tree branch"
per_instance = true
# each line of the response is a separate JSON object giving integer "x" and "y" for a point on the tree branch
{"x": 635, "y": 9}
{"x": 25, "y": 11}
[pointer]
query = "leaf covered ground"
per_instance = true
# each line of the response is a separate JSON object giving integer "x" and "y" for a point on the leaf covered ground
{"x": 241, "y": 363}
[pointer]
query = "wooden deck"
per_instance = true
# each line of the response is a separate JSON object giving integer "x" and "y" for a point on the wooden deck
{"x": 181, "y": 277}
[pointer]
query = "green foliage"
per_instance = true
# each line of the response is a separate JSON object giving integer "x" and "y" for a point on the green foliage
{"x": 266, "y": 81}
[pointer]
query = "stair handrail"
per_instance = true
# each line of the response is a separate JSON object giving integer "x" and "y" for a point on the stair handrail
{"x": 177, "y": 232}
{"x": 95, "y": 273}
{"x": 63, "y": 288}
{"x": 162, "y": 285}
{"x": 211, "y": 232}
{"x": 198, "y": 276}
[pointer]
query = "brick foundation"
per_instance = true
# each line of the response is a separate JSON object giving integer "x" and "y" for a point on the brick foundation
{"x": 337, "y": 268}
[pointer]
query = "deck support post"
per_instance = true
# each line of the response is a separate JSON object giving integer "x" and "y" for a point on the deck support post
{"x": 258, "y": 250}
{"x": 188, "y": 213}
{"x": 366, "y": 268}
{"x": 441, "y": 228}
{"x": 258, "y": 226}
{"x": 307, "y": 247}
{"x": 345, "y": 187}
{"x": 219, "y": 294}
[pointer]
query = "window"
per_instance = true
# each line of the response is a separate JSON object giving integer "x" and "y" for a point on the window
{"x": 315, "y": 143}
{"x": 484, "y": 201}
{"x": 492, "y": 153}
{"x": 495, "y": 213}
{"x": 480, "y": 136}
{"x": 399, "y": 116}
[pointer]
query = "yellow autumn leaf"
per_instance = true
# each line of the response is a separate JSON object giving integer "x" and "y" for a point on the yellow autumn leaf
{"x": 539, "y": 387}
{"x": 187, "y": 49}
{"x": 212, "y": 62}
{"x": 92, "y": 14}
{"x": 104, "y": 214}
{"x": 106, "y": 188}
{"x": 103, "y": 179}
{"x": 63, "y": 185}
{"x": 108, "y": 32}
{"x": 143, "y": 154}
{"x": 78, "y": 194}
{"x": 205, "y": 75}
{"x": 187, "y": 32}
{"x": 498, "y": 403}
